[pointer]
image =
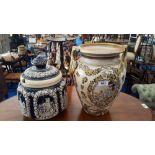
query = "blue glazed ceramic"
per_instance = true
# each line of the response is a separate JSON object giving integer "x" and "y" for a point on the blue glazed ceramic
{"x": 42, "y": 91}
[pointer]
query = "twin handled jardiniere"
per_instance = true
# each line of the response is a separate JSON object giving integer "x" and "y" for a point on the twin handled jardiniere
{"x": 99, "y": 76}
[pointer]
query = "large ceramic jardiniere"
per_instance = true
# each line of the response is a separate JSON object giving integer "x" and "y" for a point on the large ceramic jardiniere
{"x": 99, "y": 76}
{"x": 42, "y": 91}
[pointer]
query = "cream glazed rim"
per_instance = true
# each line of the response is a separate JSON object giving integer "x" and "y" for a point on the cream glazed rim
{"x": 102, "y": 49}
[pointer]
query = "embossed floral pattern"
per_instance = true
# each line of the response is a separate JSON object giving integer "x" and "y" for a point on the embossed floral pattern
{"x": 98, "y": 86}
{"x": 88, "y": 71}
{"x": 84, "y": 80}
{"x": 32, "y": 73}
{"x": 45, "y": 101}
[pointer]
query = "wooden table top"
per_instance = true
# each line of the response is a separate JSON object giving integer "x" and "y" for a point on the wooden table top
{"x": 125, "y": 108}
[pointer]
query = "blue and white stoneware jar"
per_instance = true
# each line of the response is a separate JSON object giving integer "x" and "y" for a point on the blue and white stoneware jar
{"x": 42, "y": 91}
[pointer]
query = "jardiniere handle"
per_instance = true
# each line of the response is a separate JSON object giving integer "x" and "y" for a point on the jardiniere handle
{"x": 74, "y": 59}
{"x": 123, "y": 56}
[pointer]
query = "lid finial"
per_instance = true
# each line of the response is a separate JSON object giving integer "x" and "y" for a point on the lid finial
{"x": 40, "y": 61}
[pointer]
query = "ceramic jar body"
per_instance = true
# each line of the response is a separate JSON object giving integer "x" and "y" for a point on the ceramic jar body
{"x": 21, "y": 50}
{"x": 42, "y": 103}
{"x": 98, "y": 82}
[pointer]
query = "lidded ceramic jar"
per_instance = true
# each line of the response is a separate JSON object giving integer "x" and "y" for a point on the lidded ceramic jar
{"x": 99, "y": 76}
{"x": 42, "y": 91}
{"x": 21, "y": 50}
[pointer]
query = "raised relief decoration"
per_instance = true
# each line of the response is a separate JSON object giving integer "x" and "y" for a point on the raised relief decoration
{"x": 46, "y": 98}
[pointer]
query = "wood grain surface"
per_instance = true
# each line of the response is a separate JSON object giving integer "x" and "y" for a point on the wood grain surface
{"x": 125, "y": 108}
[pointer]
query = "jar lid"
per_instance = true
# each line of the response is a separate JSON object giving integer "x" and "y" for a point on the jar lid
{"x": 101, "y": 49}
{"x": 40, "y": 75}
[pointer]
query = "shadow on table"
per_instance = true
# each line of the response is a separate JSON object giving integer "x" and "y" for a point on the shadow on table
{"x": 83, "y": 116}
